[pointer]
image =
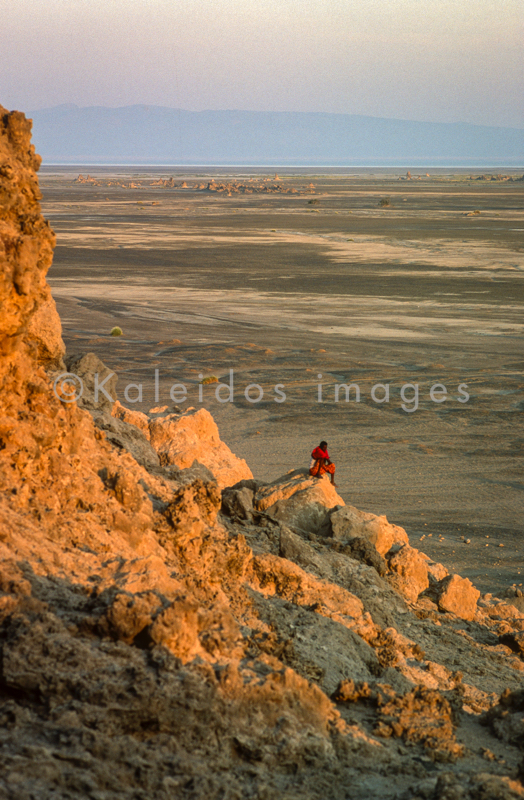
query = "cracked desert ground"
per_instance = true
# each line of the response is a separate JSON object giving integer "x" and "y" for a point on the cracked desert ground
{"x": 428, "y": 290}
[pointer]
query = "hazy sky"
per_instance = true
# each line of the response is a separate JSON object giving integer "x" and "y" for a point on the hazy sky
{"x": 435, "y": 60}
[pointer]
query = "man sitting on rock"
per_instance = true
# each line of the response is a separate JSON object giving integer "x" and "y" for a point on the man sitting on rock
{"x": 321, "y": 463}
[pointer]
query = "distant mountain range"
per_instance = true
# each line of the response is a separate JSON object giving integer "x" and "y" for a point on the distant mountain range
{"x": 156, "y": 135}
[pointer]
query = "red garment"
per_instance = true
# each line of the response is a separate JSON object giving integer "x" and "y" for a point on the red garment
{"x": 319, "y": 453}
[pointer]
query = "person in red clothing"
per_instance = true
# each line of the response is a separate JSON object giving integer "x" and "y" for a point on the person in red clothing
{"x": 321, "y": 463}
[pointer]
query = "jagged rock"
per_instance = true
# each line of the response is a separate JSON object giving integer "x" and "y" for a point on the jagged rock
{"x": 129, "y": 615}
{"x": 177, "y": 629}
{"x": 127, "y": 491}
{"x": 185, "y": 477}
{"x": 458, "y": 596}
{"x": 248, "y": 483}
{"x": 26, "y": 244}
{"x": 294, "y": 548}
{"x": 126, "y": 429}
{"x": 194, "y": 506}
{"x": 87, "y": 367}
{"x": 45, "y": 329}
{"x": 299, "y": 501}
{"x": 136, "y": 418}
{"x": 182, "y": 439}
{"x": 127, "y": 437}
{"x": 148, "y": 573}
{"x": 238, "y": 502}
{"x": 273, "y": 575}
{"x": 12, "y": 579}
{"x": 496, "y": 609}
{"x": 362, "y": 550}
{"x": 410, "y": 573}
{"x": 436, "y": 571}
{"x": 481, "y": 786}
{"x": 422, "y": 715}
{"x": 351, "y": 523}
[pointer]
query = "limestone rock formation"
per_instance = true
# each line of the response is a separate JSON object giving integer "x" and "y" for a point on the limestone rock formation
{"x": 128, "y": 437}
{"x": 238, "y": 502}
{"x": 457, "y": 595}
{"x": 410, "y": 573}
{"x": 44, "y": 328}
{"x": 350, "y": 523}
{"x": 300, "y": 501}
{"x": 132, "y": 417}
{"x": 98, "y": 388}
{"x": 181, "y": 439}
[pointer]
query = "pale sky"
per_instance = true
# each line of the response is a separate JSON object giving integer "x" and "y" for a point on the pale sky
{"x": 433, "y": 60}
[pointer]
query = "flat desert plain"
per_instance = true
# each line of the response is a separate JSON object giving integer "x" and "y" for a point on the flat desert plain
{"x": 284, "y": 286}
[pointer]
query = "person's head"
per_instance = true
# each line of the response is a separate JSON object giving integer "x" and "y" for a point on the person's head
{"x": 323, "y": 445}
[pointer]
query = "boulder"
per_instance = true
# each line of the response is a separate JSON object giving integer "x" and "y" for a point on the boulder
{"x": 238, "y": 502}
{"x": 458, "y": 596}
{"x": 410, "y": 573}
{"x": 436, "y": 571}
{"x": 86, "y": 367}
{"x": 180, "y": 439}
{"x": 300, "y": 501}
{"x": 350, "y": 523}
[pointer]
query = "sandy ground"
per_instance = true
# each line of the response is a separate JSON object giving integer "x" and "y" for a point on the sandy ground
{"x": 281, "y": 290}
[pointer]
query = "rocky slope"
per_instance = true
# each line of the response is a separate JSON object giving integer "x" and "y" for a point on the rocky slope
{"x": 162, "y": 638}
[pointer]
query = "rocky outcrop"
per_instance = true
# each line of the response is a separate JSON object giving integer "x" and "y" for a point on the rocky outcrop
{"x": 136, "y": 418}
{"x": 254, "y": 187}
{"x": 97, "y": 392}
{"x": 350, "y": 523}
{"x": 237, "y": 501}
{"x": 458, "y": 596}
{"x": 410, "y": 573}
{"x": 45, "y": 330}
{"x": 159, "y": 639}
{"x": 181, "y": 439}
{"x": 300, "y": 501}
{"x": 127, "y": 437}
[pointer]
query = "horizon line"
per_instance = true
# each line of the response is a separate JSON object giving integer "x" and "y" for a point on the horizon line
{"x": 276, "y": 165}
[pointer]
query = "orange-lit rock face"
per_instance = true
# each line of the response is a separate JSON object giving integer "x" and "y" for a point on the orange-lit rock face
{"x": 35, "y": 428}
{"x": 50, "y": 453}
{"x": 182, "y": 439}
{"x": 350, "y": 523}
{"x": 26, "y": 244}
